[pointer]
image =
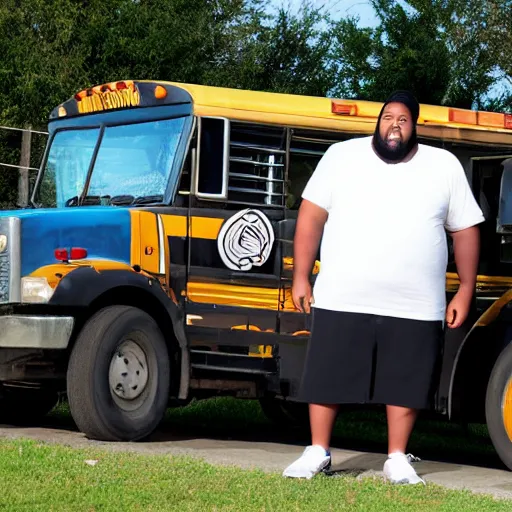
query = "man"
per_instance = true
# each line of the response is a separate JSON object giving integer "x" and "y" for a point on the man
{"x": 382, "y": 204}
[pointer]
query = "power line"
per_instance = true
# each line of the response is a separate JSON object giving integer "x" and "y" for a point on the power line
{"x": 20, "y": 167}
{"x": 22, "y": 130}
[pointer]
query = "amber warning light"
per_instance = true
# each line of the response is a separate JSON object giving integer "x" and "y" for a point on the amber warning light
{"x": 479, "y": 118}
{"x": 343, "y": 109}
{"x": 108, "y": 96}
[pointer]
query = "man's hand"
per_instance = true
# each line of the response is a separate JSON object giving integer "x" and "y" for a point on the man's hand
{"x": 310, "y": 226}
{"x": 466, "y": 247}
{"x": 301, "y": 295}
{"x": 458, "y": 309}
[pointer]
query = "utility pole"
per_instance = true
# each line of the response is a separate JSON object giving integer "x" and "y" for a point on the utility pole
{"x": 24, "y": 181}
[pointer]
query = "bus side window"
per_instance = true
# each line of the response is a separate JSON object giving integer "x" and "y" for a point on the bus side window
{"x": 211, "y": 151}
{"x": 240, "y": 163}
{"x": 210, "y": 157}
{"x": 257, "y": 163}
{"x": 505, "y": 197}
{"x": 299, "y": 172}
{"x": 306, "y": 150}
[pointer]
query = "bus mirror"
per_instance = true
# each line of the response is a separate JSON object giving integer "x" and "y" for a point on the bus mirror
{"x": 211, "y": 164}
{"x": 505, "y": 209}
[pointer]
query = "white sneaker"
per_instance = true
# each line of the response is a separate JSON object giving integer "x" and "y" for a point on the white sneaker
{"x": 314, "y": 460}
{"x": 398, "y": 469}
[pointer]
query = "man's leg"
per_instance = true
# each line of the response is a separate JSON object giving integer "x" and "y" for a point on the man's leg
{"x": 317, "y": 456}
{"x": 400, "y": 424}
{"x": 321, "y": 420}
{"x": 338, "y": 369}
{"x": 397, "y": 467}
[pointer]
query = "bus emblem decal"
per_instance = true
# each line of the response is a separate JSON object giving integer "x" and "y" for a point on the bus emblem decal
{"x": 245, "y": 240}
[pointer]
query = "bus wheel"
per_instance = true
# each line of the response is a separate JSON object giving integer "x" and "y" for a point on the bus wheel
{"x": 498, "y": 406}
{"x": 284, "y": 412}
{"x": 118, "y": 375}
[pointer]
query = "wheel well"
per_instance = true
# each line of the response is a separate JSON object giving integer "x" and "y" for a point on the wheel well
{"x": 138, "y": 298}
{"x": 476, "y": 361}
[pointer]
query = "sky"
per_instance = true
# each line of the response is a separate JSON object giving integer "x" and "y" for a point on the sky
{"x": 337, "y": 8}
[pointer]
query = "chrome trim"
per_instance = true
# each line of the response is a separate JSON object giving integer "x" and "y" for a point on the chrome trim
{"x": 161, "y": 243}
{"x": 254, "y": 147}
{"x": 14, "y": 251}
{"x": 44, "y": 332}
{"x": 10, "y": 264}
{"x": 254, "y": 162}
{"x": 243, "y": 176}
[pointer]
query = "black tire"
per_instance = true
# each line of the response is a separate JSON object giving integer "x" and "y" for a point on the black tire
{"x": 285, "y": 413}
{"x": 99, "y": 412}
{"x": 500, "y": 379}
{"x": 21, "y": 406}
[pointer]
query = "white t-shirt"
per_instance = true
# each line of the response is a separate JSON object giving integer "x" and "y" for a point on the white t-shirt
{"x": 384, "y": 249}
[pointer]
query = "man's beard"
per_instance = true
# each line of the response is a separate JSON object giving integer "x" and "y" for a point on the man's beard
{"x": 396, "y": 153}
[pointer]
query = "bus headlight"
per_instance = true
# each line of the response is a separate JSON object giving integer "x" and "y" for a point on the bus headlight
{"x": 35, "y": 290}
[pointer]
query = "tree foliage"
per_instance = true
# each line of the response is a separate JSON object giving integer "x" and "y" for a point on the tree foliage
{"x": 447, "y": 51}
{"x": 443, "y": 50}
{"x": 52, "y": 48}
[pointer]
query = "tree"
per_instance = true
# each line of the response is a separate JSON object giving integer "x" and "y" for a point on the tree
{"x": 287, "y": 53}
{"x": 404, "y": 52}
{"x": 422, "y": 45}
{"x": 484, "y": 28}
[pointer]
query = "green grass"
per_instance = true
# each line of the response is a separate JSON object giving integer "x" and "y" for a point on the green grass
{"x": 38, "y": 477}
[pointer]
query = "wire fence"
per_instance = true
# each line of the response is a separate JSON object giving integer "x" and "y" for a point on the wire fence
{"x": 21, "y": 152}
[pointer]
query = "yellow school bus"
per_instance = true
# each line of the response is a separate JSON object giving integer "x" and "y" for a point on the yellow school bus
{"x": 156, "y": 262}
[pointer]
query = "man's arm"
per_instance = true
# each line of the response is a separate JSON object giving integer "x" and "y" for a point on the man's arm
{"x": 308, "y": 232}
{"x": 466, "y": 247}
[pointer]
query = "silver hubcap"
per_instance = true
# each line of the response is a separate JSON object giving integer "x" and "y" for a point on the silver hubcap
{"x": 128, "y": 374}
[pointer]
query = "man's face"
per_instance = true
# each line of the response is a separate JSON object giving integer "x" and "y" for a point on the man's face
{"x": 396, "y": 126}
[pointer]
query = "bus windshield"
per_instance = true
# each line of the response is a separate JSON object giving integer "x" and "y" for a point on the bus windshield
{"x": 133, "y": 161}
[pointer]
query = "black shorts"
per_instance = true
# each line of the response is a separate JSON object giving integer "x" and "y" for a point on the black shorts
{"x": 361, "y": 358}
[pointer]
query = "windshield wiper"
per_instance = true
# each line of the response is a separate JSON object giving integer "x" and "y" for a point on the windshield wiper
{"x": 149, "y": 199}
{"x": 87, "y": 201}
{"x": 121, "y": 200}
{"x": 127, "y": 200}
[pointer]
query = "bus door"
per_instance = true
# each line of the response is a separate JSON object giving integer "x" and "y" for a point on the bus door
{"x": 237, "y": 198}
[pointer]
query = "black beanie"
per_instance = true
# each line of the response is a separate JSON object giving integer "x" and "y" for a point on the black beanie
{"x": 406, "y": 98}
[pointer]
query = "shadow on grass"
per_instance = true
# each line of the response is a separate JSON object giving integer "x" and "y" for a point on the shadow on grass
{"x": 229, "y": 419}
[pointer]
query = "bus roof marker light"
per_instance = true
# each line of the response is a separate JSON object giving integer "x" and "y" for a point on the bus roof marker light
{"x": 460, "y": 116}
{"x": 343, "y": 109}
{"x": 508, "y": 121}
{"x": 160, "y": 92}
{"x": 490, "y": 119}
